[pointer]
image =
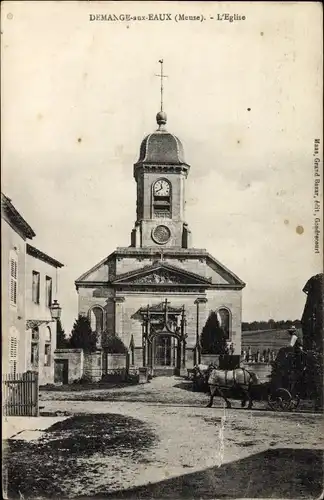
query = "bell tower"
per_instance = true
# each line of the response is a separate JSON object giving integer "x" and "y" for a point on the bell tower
{"x": 160, "y": 174}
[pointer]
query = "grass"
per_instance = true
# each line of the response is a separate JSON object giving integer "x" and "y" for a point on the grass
{"x": 74, "y": 447}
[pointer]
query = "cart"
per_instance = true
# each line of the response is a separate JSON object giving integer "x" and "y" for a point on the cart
{"x": 282, "y": 399}
{"x": 284, "y": 393}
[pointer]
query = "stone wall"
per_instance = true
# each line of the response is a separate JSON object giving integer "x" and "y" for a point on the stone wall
{"x": 209, "y": 358}
{"x": 75, "y": 360}
{"x": 117, "y": 362}
{"x": 93, "y": 366}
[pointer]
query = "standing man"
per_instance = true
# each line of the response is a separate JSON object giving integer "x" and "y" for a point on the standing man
{"x": 297, "y": 344}
{"x": 295, "y": 340}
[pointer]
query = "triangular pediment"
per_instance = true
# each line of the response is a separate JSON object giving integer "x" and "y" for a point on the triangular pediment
{"x": 161, "y": 274}
{"x": 98, "y": 273}
{"x": 222, "y": 276}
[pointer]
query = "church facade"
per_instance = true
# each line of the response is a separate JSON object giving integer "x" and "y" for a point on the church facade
{"x": 157, "y": 293}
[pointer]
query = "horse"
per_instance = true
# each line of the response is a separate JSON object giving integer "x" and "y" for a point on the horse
{"x": 239, "y": 378}
{"x": 200, "y": 376}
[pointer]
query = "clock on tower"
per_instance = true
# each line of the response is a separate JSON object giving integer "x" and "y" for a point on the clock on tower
{"x": 161, "y": 188}
{"x": 161, "y": 203}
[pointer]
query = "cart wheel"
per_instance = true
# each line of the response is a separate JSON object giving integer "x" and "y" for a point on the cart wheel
{"x": 280, "y": 399}
{"x": 295, "y": 402}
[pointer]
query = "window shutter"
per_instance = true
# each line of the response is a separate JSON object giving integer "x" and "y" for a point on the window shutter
{"x": 13, "y": 348}
{"x": 13, "y": 279}
{"x": 13, "y": 268}
{"x": 13, "y": 354}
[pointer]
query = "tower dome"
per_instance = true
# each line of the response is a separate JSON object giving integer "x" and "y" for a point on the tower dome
{"x": 161, "y": 147}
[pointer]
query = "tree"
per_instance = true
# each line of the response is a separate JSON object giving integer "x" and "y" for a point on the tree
{"x": 82, "y": 337}
{"x": 313, "y": 317}
{"x": 213, "y": 338}
{"x": 61, "y": 340}
{"x": 271, "y": 324}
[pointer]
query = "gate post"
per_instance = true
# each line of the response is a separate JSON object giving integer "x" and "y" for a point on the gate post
{"x": 34, "y": 381}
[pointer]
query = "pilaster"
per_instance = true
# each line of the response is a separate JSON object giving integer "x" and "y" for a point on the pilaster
{"x": 119, "y": 310}
{"x": 201, "y": 317}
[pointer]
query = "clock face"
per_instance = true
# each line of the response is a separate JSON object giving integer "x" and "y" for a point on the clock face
{"x": 161, "y": 234}
{"x": 161, "y": 188}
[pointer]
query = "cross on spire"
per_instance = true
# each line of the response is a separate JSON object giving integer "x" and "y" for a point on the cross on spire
{"x": 161, "y": 75}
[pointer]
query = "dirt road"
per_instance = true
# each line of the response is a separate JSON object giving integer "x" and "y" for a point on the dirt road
{"x": 194, "y": 452}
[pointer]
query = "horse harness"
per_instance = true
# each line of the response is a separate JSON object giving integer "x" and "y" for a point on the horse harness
{"x": 244, "y": 371}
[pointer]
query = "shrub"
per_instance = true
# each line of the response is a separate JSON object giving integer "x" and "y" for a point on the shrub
{"x": 85, "y": 379}
{"x": 115, "y": 345}
{"x": 213, "y": 338}
{"x": 82, "y": 337}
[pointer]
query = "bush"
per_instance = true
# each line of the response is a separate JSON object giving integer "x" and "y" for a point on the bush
{"x": 116, "y": 375}
{"x": 82, "y": 337}
{"x": 85, "y": 379}
{"x": 114, "y": 345}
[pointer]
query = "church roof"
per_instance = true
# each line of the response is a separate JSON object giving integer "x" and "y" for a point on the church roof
{"x": 161, "y": 272}
{"x": 161, "y": 147}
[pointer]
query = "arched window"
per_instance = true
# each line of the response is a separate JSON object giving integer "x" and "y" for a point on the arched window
{"x": 35, "y": 334}
{"x": 96, "y": 319}
{"x": 224, "y": 319}
{"x": 48, "y": 336}
{"x": 161, "y": 199}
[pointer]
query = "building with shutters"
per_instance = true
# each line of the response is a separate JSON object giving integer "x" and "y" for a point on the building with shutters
{"x": 157, "y": 293}
{"x": 29, "y": 287}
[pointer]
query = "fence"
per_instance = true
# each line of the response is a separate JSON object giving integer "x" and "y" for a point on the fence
{"x": 258, "y": 355}
{"x": 20, "y": 394}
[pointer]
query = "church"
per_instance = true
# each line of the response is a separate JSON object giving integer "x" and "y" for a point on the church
{"x": 157, "y": 293}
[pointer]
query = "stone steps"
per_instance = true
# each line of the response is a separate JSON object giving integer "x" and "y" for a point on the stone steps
{"x": 164, "y": 371}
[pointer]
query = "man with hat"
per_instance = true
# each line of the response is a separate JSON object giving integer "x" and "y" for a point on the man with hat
{"x": 295, "y": 340}
{"x": 297, "y": 345}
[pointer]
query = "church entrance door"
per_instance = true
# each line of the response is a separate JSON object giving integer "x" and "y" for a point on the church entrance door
{"x": 164, "y": 337}
{"x": 162, "y": 351}
{"x": 166, "y": 359}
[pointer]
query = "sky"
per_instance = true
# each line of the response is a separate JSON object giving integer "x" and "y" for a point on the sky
{"x": 245, "y": 98}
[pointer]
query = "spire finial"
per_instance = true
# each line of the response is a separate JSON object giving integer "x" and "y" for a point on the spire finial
{"x": 161, "y": 117}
